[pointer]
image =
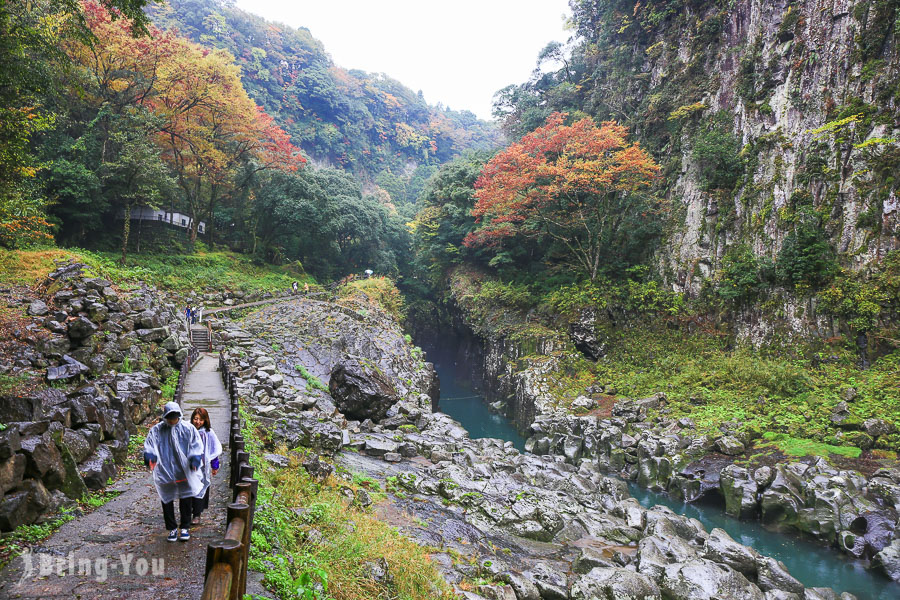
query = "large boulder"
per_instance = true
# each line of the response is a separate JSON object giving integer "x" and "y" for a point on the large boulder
{"x": 12, "y": 470}
{"x": 700, "y": 579}
{"x": 720, "y": 547}
{"x": 361, "y": 391}
{"x": 81, "y": 328}
{"x": 10, "y": 442}
{"x": 70, "y": 368}
{"x": 773, "y": 575}
{"x": 17, "y": 508}
{"x": 73, "y": 485}
{"x": 739, "y": 490}
{"x": 43, "y": 460}
{"x": 77, "y": 445}
{"x": 38, "y": 308}
{"x": 615, "y": 582}
{"x": 888, "y": 560}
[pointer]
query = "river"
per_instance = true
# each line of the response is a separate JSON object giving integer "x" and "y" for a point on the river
{"x": 811, "y": 563}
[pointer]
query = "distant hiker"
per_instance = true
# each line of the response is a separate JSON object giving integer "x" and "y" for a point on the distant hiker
{"x": 173, "y": 450}
{"x": 212, "y": 449}
{"x": 294, "y": 288}
{"x": 306, "y": 288}
{"x": 187, "y": 313}
{"x": 368, "y": 273}
{"x": 200, "y": 314}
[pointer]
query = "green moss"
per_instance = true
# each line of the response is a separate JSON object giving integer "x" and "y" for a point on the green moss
{"x": 708, "y": 381}
{"x": 800, "y": 447}
{"x": 312, "y": 382}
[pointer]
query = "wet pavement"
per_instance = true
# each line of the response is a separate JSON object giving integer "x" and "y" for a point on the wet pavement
{"x": 120, "y": 551}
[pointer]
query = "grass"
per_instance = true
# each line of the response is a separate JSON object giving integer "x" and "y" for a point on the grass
{"x": 379, "y": 291}
{"x": 14, "y": 543}
{"x": 797, "y": 447}
{"x": 311, "y": 544}
{"x": 712, "y": 384}
{"x": 311, "y": 380}
{"x": 180, "y": 272}
{"x": 11, "y": 384}
{"x": 169, "y": 386}
{"x": 25, "y": 267}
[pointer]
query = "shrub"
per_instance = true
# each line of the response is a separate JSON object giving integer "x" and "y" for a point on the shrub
{"x": 377, "y": 290}
{"x": 717, "y": 151}
{"x": 806, "y": 257}
{"x": 742, "y": 275}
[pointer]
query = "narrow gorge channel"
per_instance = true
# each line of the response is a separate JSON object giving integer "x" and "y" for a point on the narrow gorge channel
{"x": 814, "y": 564}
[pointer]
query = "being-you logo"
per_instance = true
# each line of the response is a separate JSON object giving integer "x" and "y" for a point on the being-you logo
{"x": 99, "y": 568}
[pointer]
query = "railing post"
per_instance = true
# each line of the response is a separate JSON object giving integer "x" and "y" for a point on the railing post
{"x": 241, "y": 511}
{"x": 239, "y": 582}
{"x": 226, "y": 552}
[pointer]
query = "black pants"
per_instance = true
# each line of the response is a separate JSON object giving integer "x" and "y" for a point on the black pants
{"x": 184, "y": 507}
{"x": 200, "y": 504}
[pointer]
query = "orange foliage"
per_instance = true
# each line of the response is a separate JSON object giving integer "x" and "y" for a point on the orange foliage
{"x": 209, "y": 123}
{"x": 559, "y": 181}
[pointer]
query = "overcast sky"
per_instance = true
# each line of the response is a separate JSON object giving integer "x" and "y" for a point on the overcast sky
{"x": 458, "y": 52}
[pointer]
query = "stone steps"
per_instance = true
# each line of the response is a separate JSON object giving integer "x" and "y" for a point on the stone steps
{"x": 200, "y": 338}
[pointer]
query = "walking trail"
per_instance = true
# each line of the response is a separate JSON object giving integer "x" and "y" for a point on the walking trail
{"x": 122, "y": 539}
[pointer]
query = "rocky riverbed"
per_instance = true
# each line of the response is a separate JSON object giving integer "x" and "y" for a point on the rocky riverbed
{"x": 855, "y": 513}
{"x": 527, "y": 526}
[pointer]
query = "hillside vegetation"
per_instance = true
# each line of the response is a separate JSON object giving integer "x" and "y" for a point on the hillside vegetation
{"x": 215, "y": 271}
{"x": 368, "y": 123}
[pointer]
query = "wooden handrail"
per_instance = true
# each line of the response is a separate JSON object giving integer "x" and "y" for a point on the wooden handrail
{"x": 226, "y": 559}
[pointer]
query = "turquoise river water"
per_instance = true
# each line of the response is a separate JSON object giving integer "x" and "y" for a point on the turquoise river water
{"x": 811, "y": 563}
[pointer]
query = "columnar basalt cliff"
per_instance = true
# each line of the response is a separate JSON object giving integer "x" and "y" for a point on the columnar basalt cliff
{"x": 780, "y": 71}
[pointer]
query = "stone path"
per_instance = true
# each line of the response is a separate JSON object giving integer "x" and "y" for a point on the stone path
{"x": 122, "y": 539}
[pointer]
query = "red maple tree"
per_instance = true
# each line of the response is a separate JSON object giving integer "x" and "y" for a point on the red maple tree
{"x": 574, "y": 184}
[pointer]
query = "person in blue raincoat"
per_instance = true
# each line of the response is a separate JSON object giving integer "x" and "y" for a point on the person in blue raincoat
{"x": 173, "y": 451}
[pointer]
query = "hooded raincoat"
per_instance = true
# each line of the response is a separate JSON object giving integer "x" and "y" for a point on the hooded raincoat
{"x": 175, "y": 449}
{"x": 212, "y": 449}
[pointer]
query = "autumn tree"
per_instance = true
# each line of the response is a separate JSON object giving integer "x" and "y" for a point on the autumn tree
{"x": 213, "y": 128}
{"x": 209, "y": 129}
{"x": 30, "y": 63}
{"x": 580, "y": 186}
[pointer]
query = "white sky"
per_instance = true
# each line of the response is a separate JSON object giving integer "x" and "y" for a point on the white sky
{"x": 458, "y": 52}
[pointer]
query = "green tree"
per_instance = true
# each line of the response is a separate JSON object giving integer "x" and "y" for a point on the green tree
{"x": 806, "y": 258}
{"x": 31, "y": 35}
{"x": 444, "y": 218}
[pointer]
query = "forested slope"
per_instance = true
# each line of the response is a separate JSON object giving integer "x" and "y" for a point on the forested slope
{"x": 367, "y": 123}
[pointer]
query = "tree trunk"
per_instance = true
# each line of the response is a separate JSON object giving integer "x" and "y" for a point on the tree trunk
{"x": 209, "y": 234}
{"x": 137, "y": 248}
{"x": 125, "y": 232}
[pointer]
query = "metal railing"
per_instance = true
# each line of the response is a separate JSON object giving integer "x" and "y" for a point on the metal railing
{"x": 226, "y": 559}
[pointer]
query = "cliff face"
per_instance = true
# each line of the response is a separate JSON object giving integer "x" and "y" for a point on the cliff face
{"x": 737, "y": 95}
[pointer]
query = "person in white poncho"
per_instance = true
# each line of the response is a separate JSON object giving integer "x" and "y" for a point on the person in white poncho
{"x": 173, "y": 450}
{"x": 212, "y": 449}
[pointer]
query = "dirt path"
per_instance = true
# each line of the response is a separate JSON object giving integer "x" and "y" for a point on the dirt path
{"x": 124, "y": 542}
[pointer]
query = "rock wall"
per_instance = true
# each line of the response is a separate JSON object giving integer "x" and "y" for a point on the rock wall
{"x": 56, "y": 443}
{"x": 776, "y": 71}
